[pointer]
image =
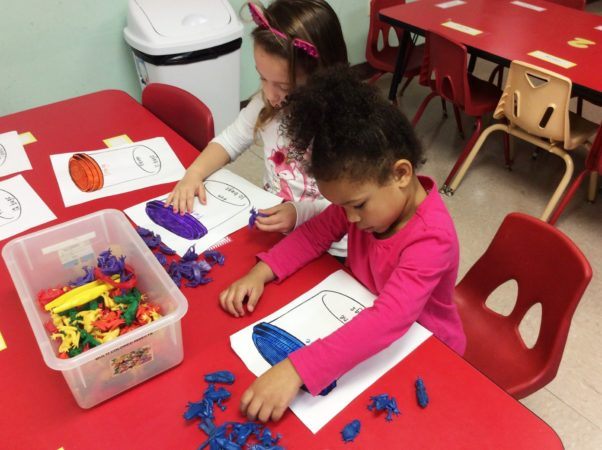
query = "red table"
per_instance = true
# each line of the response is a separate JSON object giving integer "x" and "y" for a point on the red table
{"x": 38, "y": 411}
{"x": 511, "y": 32}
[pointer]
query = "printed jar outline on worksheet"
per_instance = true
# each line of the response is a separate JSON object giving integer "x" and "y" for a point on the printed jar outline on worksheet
{"x": 3, "y": 155}
{"x": 10, "y": 208}
{"x": 233, "y": 202}
{"x": 114, "y": 167}
{"x": 318, "y": 316}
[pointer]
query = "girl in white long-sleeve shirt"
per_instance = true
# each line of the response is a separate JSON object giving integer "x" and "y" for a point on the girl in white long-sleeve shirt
{"x": 292, "y": 40}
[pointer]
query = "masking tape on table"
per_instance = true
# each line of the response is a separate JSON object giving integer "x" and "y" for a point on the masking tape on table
{"x": 27, "y": 138}
{"x": 116, "y": 141}
{"x": 552, "y": 59}
{"x": 2, "y": 343}
{"x": 462, "y": 28}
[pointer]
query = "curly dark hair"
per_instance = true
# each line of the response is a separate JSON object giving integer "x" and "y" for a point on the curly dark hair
{"x": 353, "y": 132}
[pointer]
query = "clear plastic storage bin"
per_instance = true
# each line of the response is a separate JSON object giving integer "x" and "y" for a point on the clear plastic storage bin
{"x": 55, "y": 255}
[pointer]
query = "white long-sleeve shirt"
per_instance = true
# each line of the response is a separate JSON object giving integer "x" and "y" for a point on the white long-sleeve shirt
{"x": 284, "y": 173}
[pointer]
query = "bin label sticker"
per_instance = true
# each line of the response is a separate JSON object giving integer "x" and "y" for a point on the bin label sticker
{"x": 73, "y": 251}
{"x": 131, "y": 360}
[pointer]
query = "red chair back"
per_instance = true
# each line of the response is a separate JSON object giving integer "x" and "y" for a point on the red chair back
{"x": 575, "y": 4}
{"x": 181, "y": 111}
{"x": 384, "y": 58}
{"x": 447, "y": 62}
{"x": 549, "y": 269}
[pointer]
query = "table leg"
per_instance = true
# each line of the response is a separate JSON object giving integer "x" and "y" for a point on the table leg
{"x": 472, "y": 62}
{"x": 400, "y": 65}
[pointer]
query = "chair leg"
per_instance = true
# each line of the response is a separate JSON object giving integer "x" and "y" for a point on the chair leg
{"x": 464, "y": 154}
{"x": 568, "y": 173}
{"x": 405, "y": 85}
{"x": 458, "y": 121}
{"x": 593, "y": 186}
{"x": 567, "y": 197}
{"x": 508, "y": 151}
{"x": 422, "y": 107}
{"x": 477, "y": 146}
{"x": 499, "y": 71}
{"x": 579, "y": 106}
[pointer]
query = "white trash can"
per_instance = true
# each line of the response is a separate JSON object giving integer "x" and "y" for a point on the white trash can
{"x": 191, "y": 44}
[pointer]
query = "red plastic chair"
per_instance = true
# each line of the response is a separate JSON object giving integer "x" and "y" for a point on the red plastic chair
{"x": 445, "y": 70}
{"x": 593, "y": 166}
{"x": 181, "y": 111}
{"x": 549, "y": 269}
{"x": 383, "y": 60}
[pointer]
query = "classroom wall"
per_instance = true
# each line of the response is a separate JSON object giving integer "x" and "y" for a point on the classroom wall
{"x": 56, "y": 49}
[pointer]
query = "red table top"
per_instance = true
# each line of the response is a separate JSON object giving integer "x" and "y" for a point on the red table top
{"x": 511, "y": 32}
{"x": 39, "y": 412}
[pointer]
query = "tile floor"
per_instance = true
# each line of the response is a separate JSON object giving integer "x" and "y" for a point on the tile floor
{"x": 572, "y": 402}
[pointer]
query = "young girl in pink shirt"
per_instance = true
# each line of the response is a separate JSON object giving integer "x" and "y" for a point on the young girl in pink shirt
{"x": 402, "y": 243}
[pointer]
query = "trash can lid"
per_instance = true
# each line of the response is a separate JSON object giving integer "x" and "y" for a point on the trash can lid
{"x": 157, "y": 27}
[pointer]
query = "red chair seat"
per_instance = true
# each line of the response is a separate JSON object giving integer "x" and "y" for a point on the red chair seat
{"x": 385, "y": 61}
{"x": 484, "y": 96}
{"x": 550, "y": 270}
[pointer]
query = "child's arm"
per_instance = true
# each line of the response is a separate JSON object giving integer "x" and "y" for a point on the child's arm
{"x": 287, "y": 216}
{"x": 401, "y": 302}
{"x": 226, "y": 147}
{"x": 291, "y": 253}
{"x": 251, "y": 286}
{"x": 182, "y": 197}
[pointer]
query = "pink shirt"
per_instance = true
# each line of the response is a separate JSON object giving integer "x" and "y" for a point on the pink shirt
{"x": 413, "y": 273}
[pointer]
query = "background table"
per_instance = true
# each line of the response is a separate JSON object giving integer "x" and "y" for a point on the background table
{"x": 38, "y": 411}
{"x": 511, "y": 32}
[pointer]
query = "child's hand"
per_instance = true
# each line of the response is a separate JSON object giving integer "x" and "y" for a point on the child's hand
{"x": 271, "y": 393}
{"x": 182, "y": 197}
{"x": 281, "y": 218}
{"x": 250, "y": 286}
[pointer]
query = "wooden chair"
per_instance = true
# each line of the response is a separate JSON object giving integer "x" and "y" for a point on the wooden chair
{"x": 535, "y": 104}
{"x": 182, "y": 111}
{"x": 550, "y": 270}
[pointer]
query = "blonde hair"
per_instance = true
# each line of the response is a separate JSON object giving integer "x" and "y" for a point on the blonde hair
{"x": 313, "y": 21}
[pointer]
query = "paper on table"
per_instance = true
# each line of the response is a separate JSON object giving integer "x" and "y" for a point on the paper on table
{"x": 314, "y": 315}
{"x": 552, "y": 59}
{"x": 528, "y": 6}
{"x": 229, "y": 201}
{"x": 462, "y": 28}
{"x": 450, "y": 4}
{"x": 20, "y": 207}
{"x": 12, "y": 154}
{"x": 123, "y": 169}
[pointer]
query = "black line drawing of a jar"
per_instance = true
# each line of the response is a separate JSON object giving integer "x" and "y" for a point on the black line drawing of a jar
{"x": 91, "y": 172}
{"x": 3, "y": 155}
{"x": 315, "y": 318}
{"x": 10, "y": 208}
{"x": 232, "y": 200}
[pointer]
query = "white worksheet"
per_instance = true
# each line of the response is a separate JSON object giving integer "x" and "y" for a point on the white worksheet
{"x": 12, "y": 154}
{"x": 229, "y": 201}
{"x": 20, "y": 207}
{"x": 314, "y": 315}
{"x": 124, "y": 169}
